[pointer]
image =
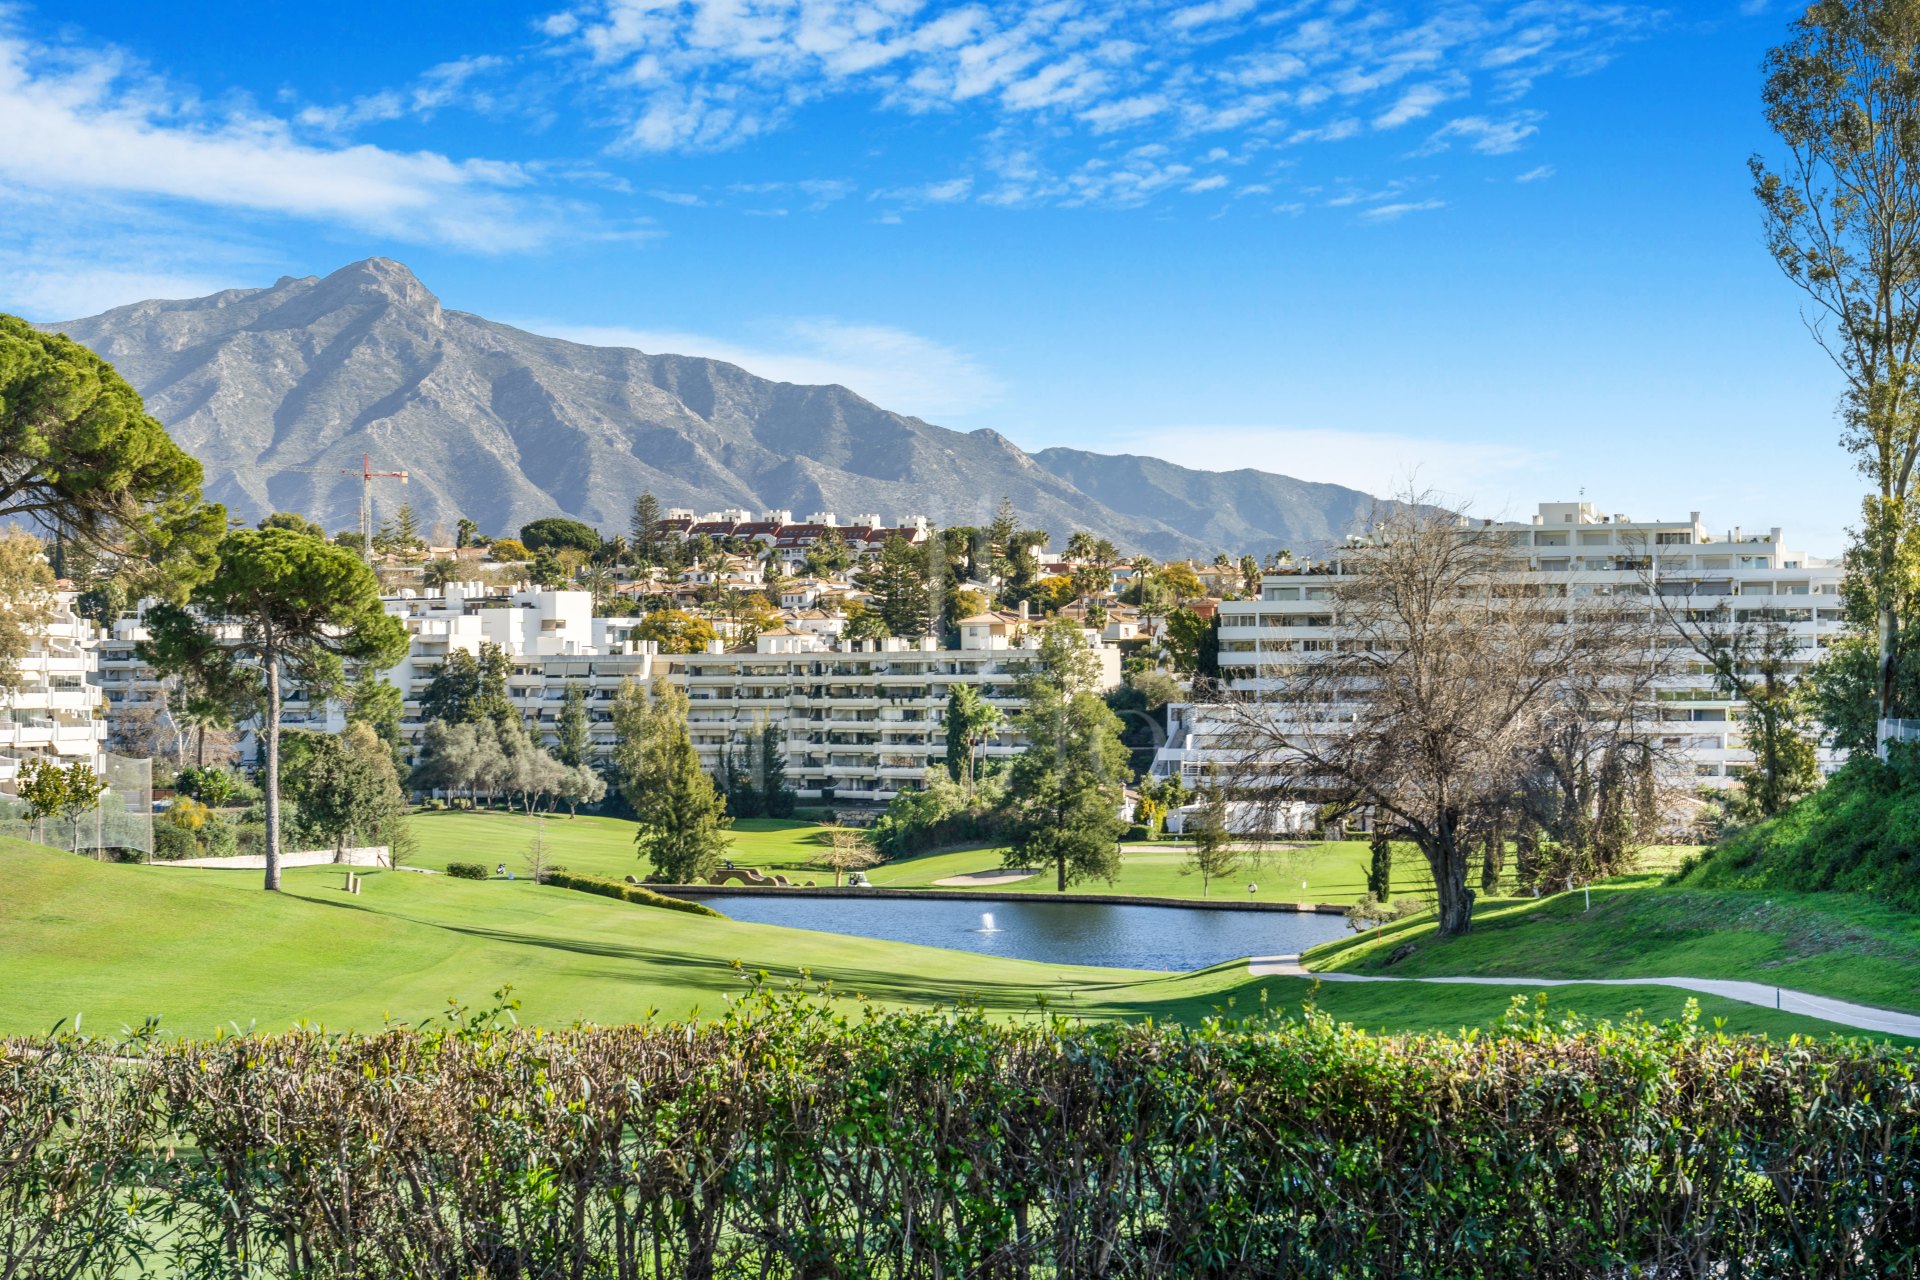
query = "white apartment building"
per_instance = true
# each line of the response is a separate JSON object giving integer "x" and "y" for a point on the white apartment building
{"x": 54, "y": 710}
{"x": 1575, "y": 546}
{"x": 550, "y": 638}
{"x": 860, "y": 720}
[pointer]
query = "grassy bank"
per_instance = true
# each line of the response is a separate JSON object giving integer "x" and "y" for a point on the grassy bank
{"x": 1847, "y": 946}
{"x": 203, "y": 949}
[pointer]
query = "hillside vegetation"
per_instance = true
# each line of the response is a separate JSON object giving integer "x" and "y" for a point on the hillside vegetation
{"x": 1858, "y": 834}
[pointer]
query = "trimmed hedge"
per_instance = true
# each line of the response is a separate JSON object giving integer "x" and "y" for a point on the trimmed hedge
{"x": 467, "y": 871}
{"x": 794, "y": 1138}
{"x": 635, "y": 893}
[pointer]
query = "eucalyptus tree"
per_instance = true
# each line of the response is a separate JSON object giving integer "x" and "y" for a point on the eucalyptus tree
{"x": 1842, "y": 214}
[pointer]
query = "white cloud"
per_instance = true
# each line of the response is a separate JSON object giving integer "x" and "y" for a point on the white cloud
{"x": 82, "y": 290}
{"x": 1057, "y": 79}
{"x": 895, "y": 369}
{"x": 1487, "y": 136}
{"x": 88, "y": 124}
{"x": 438, "y": 86}
{"x": 1418, "y": 101}
{"x": 1213, "y": 182}
{"x": 1539, "y": 173}
{"x": 1400, "y": 209}
{"x": 946, "y": 192}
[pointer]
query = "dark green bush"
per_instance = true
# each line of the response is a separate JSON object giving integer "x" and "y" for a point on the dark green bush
{"x": 467, "y": 871}
{"x": 561, "y": 878}
{"x": 171, "y": 843}
{"x": 811, "y": 1139}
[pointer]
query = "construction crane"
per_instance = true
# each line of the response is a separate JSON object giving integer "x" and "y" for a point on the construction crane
{"x": 367, "y": 476}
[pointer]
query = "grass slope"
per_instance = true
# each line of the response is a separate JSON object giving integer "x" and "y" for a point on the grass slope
{"x": 1842, "y": 945}
{"x": 1860, "y": 833}
{"x": 201, "y": 949}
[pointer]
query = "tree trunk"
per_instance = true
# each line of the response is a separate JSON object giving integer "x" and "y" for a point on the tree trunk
{"x": 1449, "y": 863}
{"x": 1493, "y": 860}
{"x": 1889, "y": 635}
{"x": 272, "y": 663}
{"x": 1060, "y": 866}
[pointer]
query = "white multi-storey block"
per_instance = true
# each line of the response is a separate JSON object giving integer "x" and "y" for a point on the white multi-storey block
{"x": 53, "y": 710}
{"x": 861, "y": 720}
{"x": 1572, "y": 547}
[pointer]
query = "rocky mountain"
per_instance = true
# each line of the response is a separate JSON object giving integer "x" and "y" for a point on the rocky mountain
{"x": 278, "y": 389}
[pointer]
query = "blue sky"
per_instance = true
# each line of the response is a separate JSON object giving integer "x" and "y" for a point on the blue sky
{"x": 1506, "y": 248}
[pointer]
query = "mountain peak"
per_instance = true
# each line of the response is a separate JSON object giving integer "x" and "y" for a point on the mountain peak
{"x": 377, "y": 280}
{"x": 502, "y": 427}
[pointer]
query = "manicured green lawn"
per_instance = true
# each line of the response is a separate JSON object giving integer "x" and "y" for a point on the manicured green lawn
{"x": 1331, "y": 871}
{"x": 1833, "y": 944}
{"x": 597, "y": 846}
{"x": 1321, "y": 872}
{"x": 201, "y": 949}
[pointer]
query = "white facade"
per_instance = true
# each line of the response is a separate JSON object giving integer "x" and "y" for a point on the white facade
{"x": 861, "y": 720}
{"x": 1573, "y": 546}
{"x": 55, "y": 709}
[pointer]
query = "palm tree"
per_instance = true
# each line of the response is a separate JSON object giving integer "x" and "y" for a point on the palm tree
{"x": 438, "y": 573}
{"x": 1080, "y": 546}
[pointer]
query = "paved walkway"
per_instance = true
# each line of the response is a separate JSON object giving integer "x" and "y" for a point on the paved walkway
{"x": 1863, "y": 1016}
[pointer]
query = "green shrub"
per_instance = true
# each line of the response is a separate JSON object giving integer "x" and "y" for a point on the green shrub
{"x": 561, "y": 878}
{"x": 219, "y": 838}
{"x": 172, "y": 843}
{"x": 250, "y": 838}
{"x": 802, "y": 1138}
{"x": 466, "y": 871}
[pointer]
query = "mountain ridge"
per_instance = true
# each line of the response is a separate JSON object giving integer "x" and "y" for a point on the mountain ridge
{"x": 275, "y": 388}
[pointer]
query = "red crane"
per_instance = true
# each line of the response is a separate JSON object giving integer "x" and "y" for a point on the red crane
{"x": 367, "y": 476}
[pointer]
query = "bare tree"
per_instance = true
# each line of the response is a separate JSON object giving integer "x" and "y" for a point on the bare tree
{"x": 847, "y": 849}
{"x": 1451, "y": 669}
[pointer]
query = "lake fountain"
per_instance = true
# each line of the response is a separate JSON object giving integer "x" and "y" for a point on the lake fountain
{"x": 1108, "y": 934}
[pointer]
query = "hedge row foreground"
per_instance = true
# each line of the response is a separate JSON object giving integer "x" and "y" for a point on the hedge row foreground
{"x": 798, "y": 1139}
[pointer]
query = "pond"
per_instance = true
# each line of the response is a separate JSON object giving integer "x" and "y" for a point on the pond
{"x": 1117, "y": 935}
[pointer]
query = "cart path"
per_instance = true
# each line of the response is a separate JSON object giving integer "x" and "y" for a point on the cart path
{"x": 1862, "y": 1016}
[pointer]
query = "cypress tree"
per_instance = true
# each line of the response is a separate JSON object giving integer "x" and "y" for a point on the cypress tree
{"x": 573, "y": 744}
